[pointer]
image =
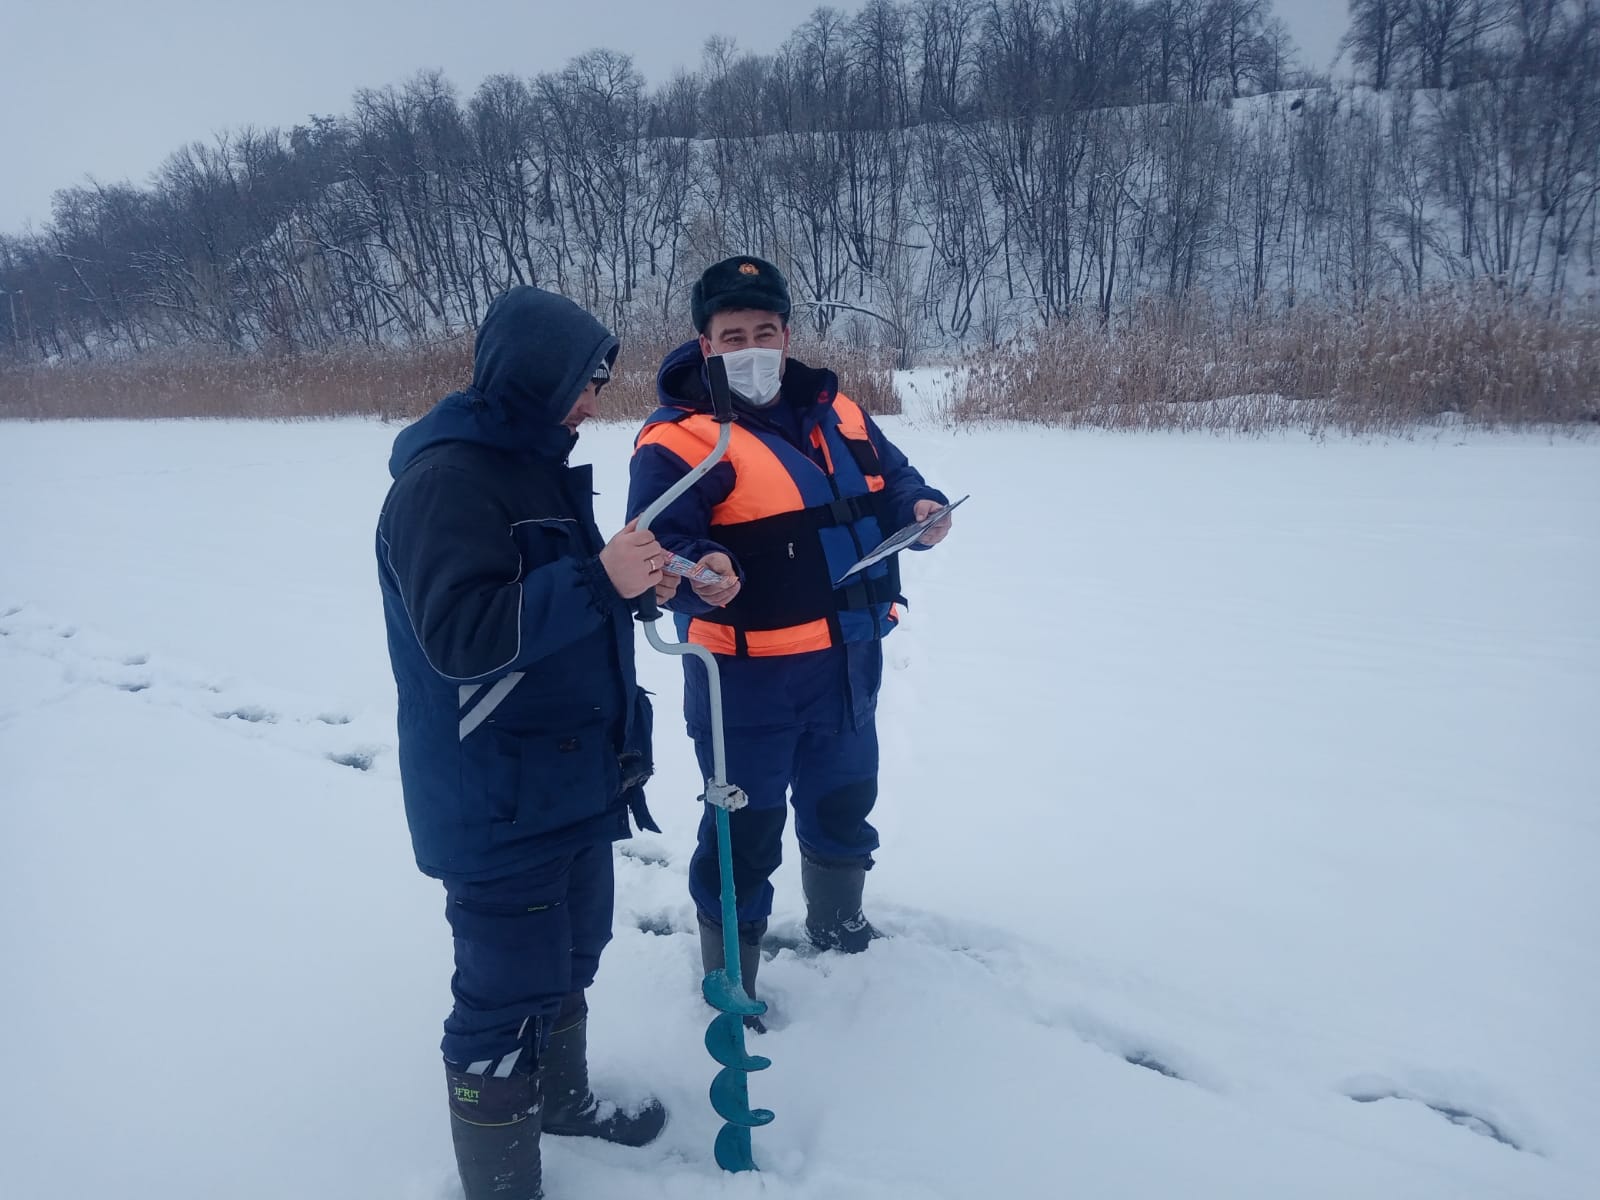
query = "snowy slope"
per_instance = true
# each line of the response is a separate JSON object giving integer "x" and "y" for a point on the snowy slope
{"x": 1268, "y": 765}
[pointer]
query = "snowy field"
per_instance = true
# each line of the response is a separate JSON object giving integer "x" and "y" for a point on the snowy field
{"x": 1241, "y": 812}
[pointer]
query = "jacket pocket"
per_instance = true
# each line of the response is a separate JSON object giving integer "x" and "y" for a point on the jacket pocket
{"x": 540, "y": 542}
{"x": 538, "y": 783}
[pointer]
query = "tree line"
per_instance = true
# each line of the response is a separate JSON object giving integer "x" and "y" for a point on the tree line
{"x": 931, "y": 174}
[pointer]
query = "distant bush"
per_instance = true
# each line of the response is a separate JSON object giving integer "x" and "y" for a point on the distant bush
{"x": 1473, "y": 357}
{"x": 382, "y": 383}
{"x": 394, "y": 383}
{"x": 866, "y": 376}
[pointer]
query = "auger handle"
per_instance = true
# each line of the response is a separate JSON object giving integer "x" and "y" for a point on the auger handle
{"x": 645, "y": 606}
{"x": 721, "y": 394}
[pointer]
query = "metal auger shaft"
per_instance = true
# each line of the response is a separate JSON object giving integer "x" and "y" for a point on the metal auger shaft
{"x": 723, "y": 988}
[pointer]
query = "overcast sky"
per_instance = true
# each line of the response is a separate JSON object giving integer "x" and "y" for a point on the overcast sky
{"x": 109, "y": 88}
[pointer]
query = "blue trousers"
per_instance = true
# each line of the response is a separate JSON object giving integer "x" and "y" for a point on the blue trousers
{"x": 831, "y": 776}
{"x": 524, "y": 944}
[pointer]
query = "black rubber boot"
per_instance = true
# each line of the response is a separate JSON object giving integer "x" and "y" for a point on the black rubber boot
{"x": 570, "y": 1108}
{"x": 494, "y": 1123}
{"x": 834, "y": 920}
{"x": 750, "y": 935}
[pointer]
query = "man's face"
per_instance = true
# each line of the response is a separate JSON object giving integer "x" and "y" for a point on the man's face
{"x": 740, "y": 328}
{"x": 587, "y": 405}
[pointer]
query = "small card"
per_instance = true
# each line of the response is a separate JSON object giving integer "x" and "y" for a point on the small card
{"x": 679, "y": 565}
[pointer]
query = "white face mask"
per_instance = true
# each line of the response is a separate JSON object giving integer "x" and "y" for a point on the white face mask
{"x": 755, "y": 374}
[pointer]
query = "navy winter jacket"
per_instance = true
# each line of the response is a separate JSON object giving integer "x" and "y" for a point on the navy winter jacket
{"x": 831, "y": 688}
{"x": 521, "y": 726}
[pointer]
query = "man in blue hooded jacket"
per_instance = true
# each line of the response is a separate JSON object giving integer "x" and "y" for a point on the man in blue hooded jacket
{"x": 809, "y": 485}
{"x": 524, "y": 738}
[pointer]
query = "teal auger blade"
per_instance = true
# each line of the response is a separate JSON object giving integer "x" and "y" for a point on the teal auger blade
{"x": 725, "y": 1043}
{"x": 733, "y": 1149}
{"x": 730, "y": 1096}
{"x": 724, "y": 995}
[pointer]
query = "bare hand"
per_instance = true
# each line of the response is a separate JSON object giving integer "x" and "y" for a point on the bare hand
{"x": 936, "y": 532}
{"x": 718, "y": 595}
{"x": 666, "y": 588}
{"x": 633, "y": 561}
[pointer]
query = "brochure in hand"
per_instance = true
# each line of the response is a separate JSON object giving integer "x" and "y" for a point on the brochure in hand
{"x": 902, "y": 538}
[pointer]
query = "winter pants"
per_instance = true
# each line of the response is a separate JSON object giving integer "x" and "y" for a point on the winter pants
{"x": 830, "y": 774}
{"x": 523, "y": 944}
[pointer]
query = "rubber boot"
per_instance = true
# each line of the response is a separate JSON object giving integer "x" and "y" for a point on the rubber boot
{"x": 711, "y": 957}
{"x": 834, "y": 920}
{"x": 495, "y": 1124}
{"x": 570, "y": 1108}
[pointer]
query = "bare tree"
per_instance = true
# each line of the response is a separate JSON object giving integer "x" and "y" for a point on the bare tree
{"x": 1376, "y": 39}
{"x": 943, "y": 33}
{"x": 1445, "y": 37}
{"x": 958, "y": 222}
{"x": 1189, "y": 144}
{"x": 503, "y": 120}
{"x": 1256, "y": 194}
{"x": 1407, "y": 212}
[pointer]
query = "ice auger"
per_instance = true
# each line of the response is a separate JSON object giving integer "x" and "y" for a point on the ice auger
{"x": 723, "y": 988}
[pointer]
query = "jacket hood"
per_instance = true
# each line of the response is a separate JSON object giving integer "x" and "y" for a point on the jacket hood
{"x": 681, "y": 379}
{"x": 534, "y": 354}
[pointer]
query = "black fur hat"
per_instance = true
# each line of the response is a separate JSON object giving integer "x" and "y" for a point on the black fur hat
{"x": 742, "y": 282}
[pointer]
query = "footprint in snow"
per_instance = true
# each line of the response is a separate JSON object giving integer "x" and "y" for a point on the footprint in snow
{"x": 253, "y": 713}
{"x": 788, "y": 937}
{"x": 294, "y": 727}
{"x": 1456, "y": 1114}
{"x": 650, "y": 858}
{"x": 1150, "y": 1062}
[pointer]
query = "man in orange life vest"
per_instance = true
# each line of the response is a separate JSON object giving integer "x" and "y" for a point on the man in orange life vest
{"x": 809, "y": 485}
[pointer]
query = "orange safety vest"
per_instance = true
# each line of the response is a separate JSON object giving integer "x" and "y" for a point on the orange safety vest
{"x": 794, "y": 527}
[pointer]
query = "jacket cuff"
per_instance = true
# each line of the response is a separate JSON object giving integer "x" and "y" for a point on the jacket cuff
{"x": 603, "y": 597}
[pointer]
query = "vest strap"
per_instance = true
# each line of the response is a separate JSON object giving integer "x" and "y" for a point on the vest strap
{"x": 852, "y": 508}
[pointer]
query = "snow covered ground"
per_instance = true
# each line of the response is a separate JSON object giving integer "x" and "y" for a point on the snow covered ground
{"x": 1241, "y": 808}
